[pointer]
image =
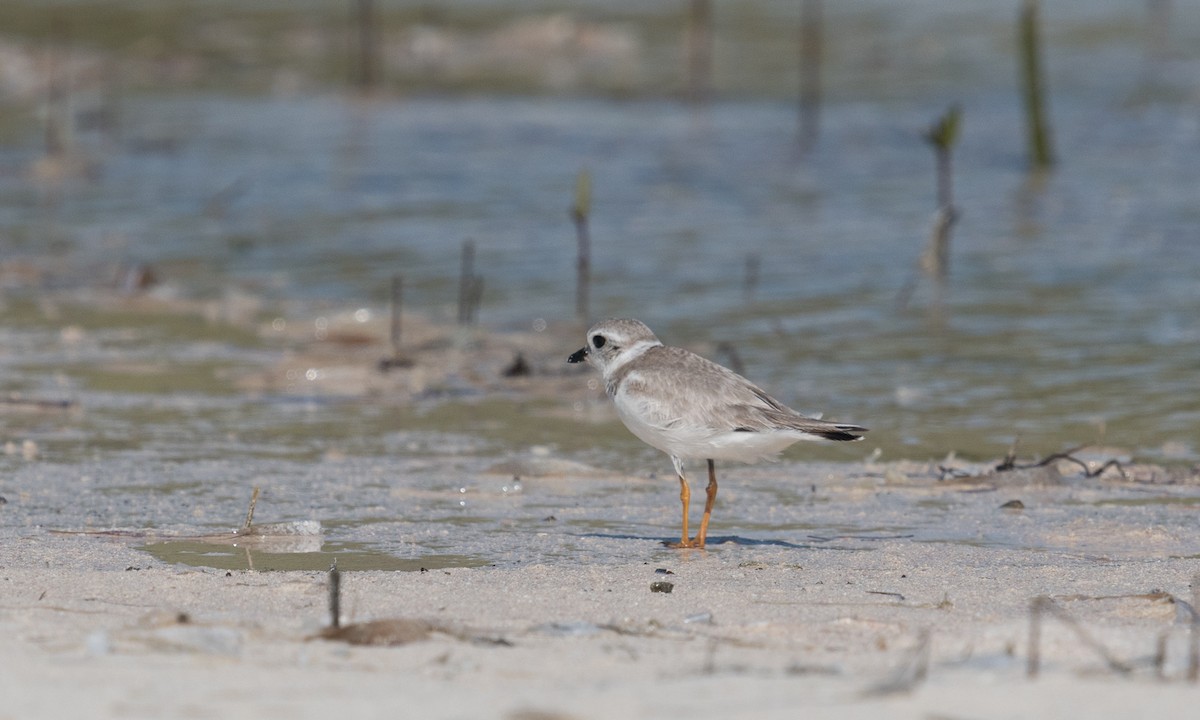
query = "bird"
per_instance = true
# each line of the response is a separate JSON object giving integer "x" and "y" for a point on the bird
{"x": 694, "y": 409}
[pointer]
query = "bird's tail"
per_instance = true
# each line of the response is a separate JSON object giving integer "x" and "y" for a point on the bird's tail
{"x": 844, "y": 432}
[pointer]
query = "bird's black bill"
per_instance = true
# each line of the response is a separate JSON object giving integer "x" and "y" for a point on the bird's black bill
{"x": 578, "y": 356}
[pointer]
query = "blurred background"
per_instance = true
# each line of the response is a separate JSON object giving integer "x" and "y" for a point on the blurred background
{"x": 956, "y": 223}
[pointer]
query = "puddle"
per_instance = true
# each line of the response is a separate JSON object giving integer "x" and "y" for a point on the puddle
{"x": 1152, "y": 501}
{"x": 308, "y": 553}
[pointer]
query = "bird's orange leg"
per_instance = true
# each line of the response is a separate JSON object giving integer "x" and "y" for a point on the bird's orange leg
{"x": 711, "y": 491}
{"x": 685, "y": 497}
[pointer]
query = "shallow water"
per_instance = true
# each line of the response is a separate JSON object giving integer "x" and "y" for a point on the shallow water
{"x": 1069, "y": 316}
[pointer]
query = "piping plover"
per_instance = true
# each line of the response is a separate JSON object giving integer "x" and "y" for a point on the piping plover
{"x": 692, "y": 408}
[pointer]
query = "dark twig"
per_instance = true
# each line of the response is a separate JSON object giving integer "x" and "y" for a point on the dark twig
{"x": 700, "y": 50}
{"x": 474, "y": 299}
{"x": 1113, "y": 462}
{"x": 366, "y": 64}
{"x": 1067, "y": 455}
{"x": 335, "y": 595}
{"x": 942, "y": 135}
{"x": 750, "y": 279}
{"x": 250, "y": 510}
{"x": 16, "y": 401}
{"x": 1010, "y": 457}
{"x": 1193, "y": 666}
{"x": 810, "y": 74}
{"x": 945, "y": 471}
{"x": 1160, "y": 655}
{"x": 58, "y": 127}
{"x": 470, "y": 286}
{"x": 934, "y": 262}
{"x": 397, "y": 302}
{"x": 397, "y": 359}
{"x": 911, "y": 673}
{"x": 1042, "y": 605}
{"x": 1033, "y": 86}
{"x": 466, "y": 273}
{"x": 580, "y": 212}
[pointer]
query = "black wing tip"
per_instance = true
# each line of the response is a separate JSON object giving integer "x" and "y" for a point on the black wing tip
{"x": 844, "y": 433}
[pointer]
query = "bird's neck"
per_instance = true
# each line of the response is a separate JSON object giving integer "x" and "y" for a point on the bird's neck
{"x": 619, "y": 368}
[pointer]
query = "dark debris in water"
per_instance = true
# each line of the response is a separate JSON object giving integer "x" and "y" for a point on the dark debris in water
{"x": 16, "y": 401}
{"x": 390, "y": 632}
{"x": 393, "y": 632}
{"x": 519, "y": 367}
{"x": 395, "y": 363}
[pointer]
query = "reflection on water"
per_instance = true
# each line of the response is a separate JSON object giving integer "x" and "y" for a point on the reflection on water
{"x": 296, "y": 554}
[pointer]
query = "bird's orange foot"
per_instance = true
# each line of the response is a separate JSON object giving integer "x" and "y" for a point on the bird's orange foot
{"x": 694, "y": 544}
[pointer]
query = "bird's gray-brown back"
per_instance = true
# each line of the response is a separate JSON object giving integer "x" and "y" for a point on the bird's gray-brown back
{"x": 675, "y": 386}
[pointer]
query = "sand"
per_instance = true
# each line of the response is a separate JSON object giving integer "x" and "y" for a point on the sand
{"x": 891, "y": 591}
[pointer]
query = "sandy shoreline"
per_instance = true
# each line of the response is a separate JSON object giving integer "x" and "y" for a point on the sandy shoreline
{"x": 766, "y": 623}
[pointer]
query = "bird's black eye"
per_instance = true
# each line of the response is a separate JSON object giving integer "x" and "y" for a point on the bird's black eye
{"x": 598, "y": 341}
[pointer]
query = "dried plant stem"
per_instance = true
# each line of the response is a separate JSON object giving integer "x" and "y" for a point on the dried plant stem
{"x": 1068, "y": 455}
{"x": 942, "y": 135}
{"x": 750, "y": 279}
{"x": 366, "y": 65}
{"x": 1042, "y": 605}
{"x": 810, "y": 37}
{"x": 397, "y": 300}
{"x": 335, "y": 595}
{"x": 700, "y": 50}
{"x": 470, "y": 287}
{"x": 1193, "y": 665}
{"x": 1040, "y": 152}
{"x": 580, "y": 212}
{"x": 250, "y": 510}
{"x": 911, "y": 673}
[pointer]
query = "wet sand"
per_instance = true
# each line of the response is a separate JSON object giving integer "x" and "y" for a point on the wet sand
{"x": 894, "y": 591}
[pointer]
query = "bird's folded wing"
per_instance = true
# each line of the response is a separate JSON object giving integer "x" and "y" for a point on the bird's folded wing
{"x": 700, "y": 394}
{"x": 677, "y": 388}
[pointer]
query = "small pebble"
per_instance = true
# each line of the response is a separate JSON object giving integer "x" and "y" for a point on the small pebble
{"x": 1013, "y": 505}
{"x": 662, "y": 586}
